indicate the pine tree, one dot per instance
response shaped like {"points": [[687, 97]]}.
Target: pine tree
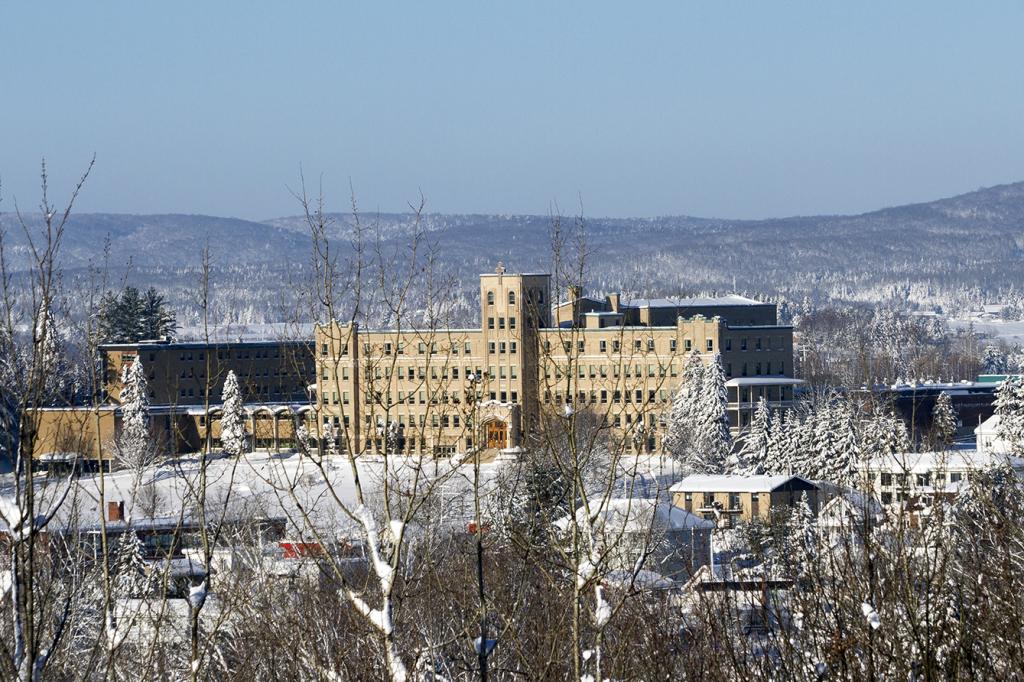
{"points": [[994, 361], [156, 320], [944, 421], [131, 579], [802, 536], [714, 440], [778, 455], [232, 421], [128, 317], [1009, 406], [681, 432], [134, 444], [753, 456]]}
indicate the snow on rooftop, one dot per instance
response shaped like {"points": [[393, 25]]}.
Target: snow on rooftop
{"points": [[639, 515], [765, 381], [924, 462], [694, 302], [728, 483]]}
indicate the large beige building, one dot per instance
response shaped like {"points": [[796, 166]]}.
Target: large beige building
{"points": [[441, 390], [423, 390]]}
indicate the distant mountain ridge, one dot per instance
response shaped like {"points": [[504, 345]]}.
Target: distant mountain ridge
{"points": [[965, 247]]}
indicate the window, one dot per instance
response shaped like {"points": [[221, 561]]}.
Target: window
{"points": [[650, 344], [728, 344], [501, 347], [490, 347], [757, 343], [709, 500], [511, 323], [323, 349], [710, 345], [490, 298], [581, 346], [687, 345], [734, 500], [955, 477], [512, 347], [743, 343], [490, 323], [615, 346], [604, 346], [672, 345], [636, 344], [511, 298], [886, 479], [886, 498]]}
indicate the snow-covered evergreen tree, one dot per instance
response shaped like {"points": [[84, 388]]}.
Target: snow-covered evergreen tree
{"points": [[994, 361], [753, 456], [944, 421], [680, 434], [778, 454], [714, 440], [131, 578], [135, 444], [1009, 406], [233, 438]]}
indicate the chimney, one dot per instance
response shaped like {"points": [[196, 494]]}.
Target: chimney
{"points": [[575, 292], [115, 511], [613, 302]]}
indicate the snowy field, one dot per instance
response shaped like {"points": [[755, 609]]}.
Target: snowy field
{"points": [[288, 485], [1010, 331]]}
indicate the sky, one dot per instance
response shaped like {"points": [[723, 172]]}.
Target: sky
{"points": [[726, 109]]}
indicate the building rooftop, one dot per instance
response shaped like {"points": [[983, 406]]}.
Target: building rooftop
{"points": [[734, 483], [923, 462], [696, 302], [639, 515]]}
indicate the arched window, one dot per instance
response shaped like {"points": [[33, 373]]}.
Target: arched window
{"points": [[490, 298], [511, 298]]}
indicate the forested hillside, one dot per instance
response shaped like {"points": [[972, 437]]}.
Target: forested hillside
{"points": [[950, 255]]}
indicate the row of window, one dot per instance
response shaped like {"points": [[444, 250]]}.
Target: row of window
{"points": [[639, 345], [923, 480], [595, 371], [191, 373], [532, 295], [602, 397], [389, 348]]}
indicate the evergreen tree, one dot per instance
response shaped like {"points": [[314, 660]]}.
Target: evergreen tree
{"points": [[1009, 406], [232, 422], [131, 578], [753, 456], [714, 440], [801, 536], [681, 432], [994, 361], [156, 320], [944, 421], [778, 455], [128, 317], [134, 444]]}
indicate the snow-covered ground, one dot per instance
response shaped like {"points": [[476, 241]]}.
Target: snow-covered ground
{"points": [[1011, 331]]}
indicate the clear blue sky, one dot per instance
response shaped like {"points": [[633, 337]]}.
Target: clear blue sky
{"points": [[706, 108]]}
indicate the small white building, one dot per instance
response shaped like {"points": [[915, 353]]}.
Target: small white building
{"points": [[987, 438], [912, 475]]}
